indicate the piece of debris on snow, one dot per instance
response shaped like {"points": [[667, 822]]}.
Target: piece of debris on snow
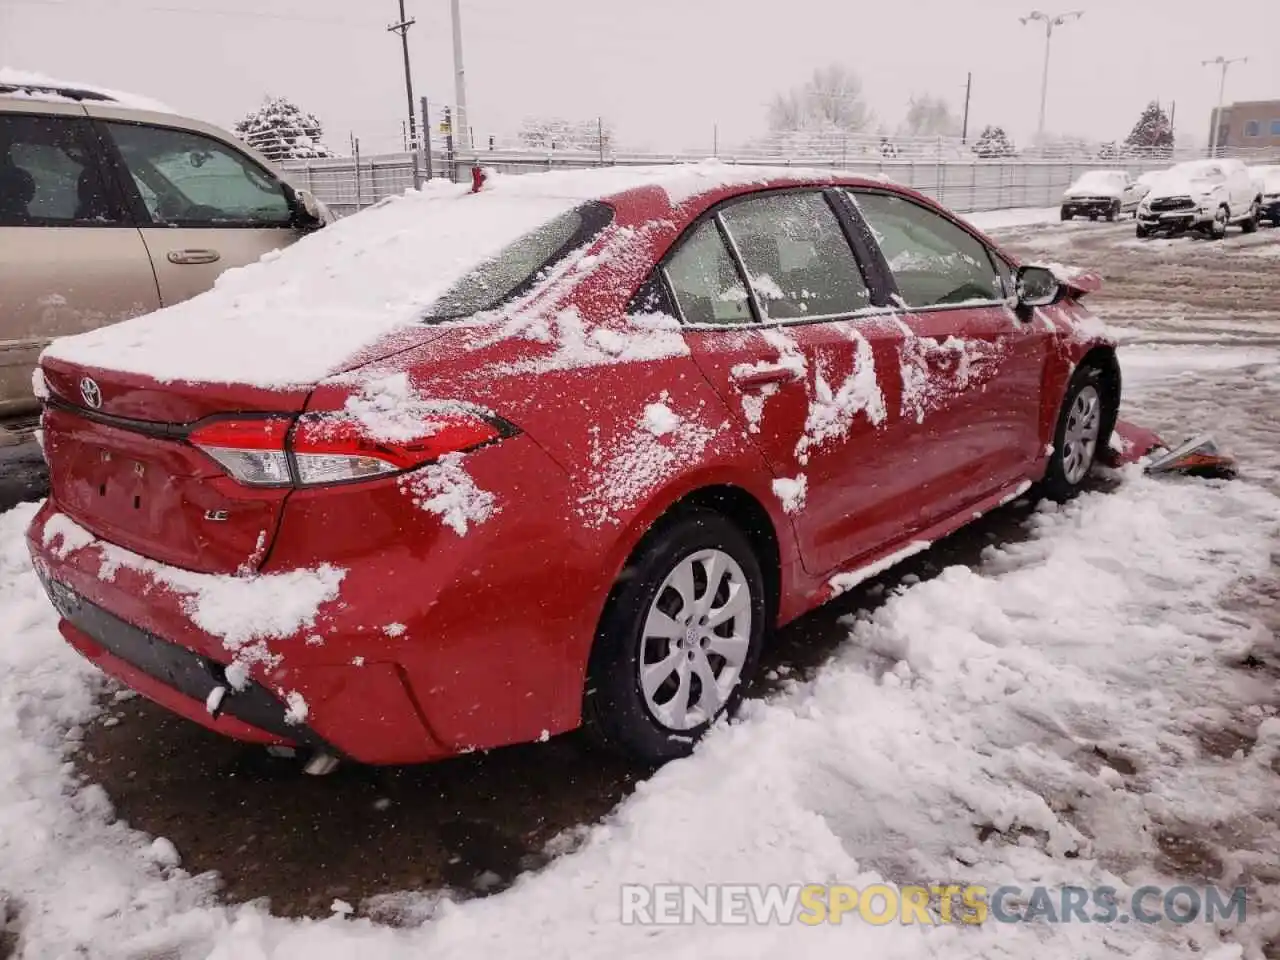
{"points": [[791, 491], [447, 490]]}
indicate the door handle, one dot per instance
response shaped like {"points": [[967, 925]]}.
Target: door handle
{"points": [[194, 256], [752, 378]]}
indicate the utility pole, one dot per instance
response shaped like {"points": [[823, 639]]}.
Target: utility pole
{"points": [[1050, 21], [462, 125], [402, 28], [968, 91], [1225, 64]]}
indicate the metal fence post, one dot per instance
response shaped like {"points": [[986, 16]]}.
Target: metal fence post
{"points": [[356, 155], [426, 137]]}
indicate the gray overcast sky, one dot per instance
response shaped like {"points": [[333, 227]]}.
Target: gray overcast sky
{"points": [[664, 71]]}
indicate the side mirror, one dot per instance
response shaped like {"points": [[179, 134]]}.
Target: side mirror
{"points": [[1037, 287], [309, 213]]}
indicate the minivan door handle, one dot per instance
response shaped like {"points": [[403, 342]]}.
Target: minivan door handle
{"points": [[194, 256]]}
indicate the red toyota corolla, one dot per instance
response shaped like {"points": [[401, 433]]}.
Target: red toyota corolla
{"points": [[474, 468]]}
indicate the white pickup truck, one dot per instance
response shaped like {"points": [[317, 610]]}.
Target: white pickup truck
{"points": [[1205, 195]]}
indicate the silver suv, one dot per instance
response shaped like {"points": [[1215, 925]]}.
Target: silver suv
{"points": [[108, 211]]}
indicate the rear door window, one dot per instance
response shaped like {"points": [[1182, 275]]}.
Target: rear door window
{"points": [[933, 261], [50, 175], [189, 180], [798, 260]]}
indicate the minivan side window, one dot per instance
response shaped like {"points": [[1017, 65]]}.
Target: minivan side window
{"points": [[934, 262], [189, 180], [49, 175], [798, 260]]}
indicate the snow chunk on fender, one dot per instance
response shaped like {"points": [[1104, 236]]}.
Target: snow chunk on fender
{"points": [[447, 490]]}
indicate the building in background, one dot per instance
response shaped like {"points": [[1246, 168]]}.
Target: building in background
{"points": [[1251, 123]]}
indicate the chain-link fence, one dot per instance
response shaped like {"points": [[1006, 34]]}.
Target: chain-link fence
{"points": [[960, 180]]}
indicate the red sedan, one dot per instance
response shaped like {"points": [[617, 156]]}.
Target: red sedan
{"points": [[475, 468]]}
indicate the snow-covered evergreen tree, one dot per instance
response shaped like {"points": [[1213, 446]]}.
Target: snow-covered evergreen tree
{"points": [[1153, 133], [994, 142], [281, 131]]}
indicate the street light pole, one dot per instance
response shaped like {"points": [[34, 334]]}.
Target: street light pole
{"points": [[1225, 64], [402, 28], [1050, 21], [459, 82]]}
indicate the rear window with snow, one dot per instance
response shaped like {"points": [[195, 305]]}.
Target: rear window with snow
{"points": [[522, 264]]}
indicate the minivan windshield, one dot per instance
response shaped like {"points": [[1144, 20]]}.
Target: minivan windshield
{"points": [[521, 264]]}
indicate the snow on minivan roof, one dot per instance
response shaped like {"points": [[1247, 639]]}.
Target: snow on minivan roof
{"points": [[37, 86], [297, 315]]}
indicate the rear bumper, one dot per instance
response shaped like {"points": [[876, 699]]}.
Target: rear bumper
{"points": [[129, 623]]}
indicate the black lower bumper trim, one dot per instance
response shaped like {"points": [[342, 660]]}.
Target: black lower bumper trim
{"points": [[175, 666]]}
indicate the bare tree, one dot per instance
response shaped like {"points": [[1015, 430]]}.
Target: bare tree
{"points": [[830, 100], [930, 116]]}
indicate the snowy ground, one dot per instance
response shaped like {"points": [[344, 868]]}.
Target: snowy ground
{"points": [[1078, 696]]}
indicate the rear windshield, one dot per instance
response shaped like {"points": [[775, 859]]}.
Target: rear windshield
{"points": [[522, 264]]}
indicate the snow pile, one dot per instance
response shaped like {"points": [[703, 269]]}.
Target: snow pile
{"points": [[1034, 722], [659, 419], [791, 491], [25, 78], [577, 344], [447, 490]]}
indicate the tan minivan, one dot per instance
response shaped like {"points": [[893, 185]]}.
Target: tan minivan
{"points": [[108, 211]]}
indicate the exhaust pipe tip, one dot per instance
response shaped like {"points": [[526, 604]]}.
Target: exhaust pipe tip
{"points": [[321, 764]]}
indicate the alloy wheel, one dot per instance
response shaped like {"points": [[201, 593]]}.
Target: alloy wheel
{"points": [[1081, 437], [695, 640]]}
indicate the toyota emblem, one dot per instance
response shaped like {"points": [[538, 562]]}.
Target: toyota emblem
{"points": [[92, 395]]}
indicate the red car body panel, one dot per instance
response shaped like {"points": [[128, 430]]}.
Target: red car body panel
{"points": [[440, 643]]}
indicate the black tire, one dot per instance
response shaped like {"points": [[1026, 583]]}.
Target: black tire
{"points": [[1250, 223], [1067, 215], [1057, 485], [1113, 212], [1093, 216], [615, 713], [1217, 228], [1144, 233]]}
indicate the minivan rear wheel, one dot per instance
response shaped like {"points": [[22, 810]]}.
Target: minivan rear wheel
{"points": [[679, 639]]}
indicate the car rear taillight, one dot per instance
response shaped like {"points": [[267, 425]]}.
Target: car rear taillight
{"points": [[336, 448], [252, 451], [323, 448]]}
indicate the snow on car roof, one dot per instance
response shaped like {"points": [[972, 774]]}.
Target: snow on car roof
{"points": [[37, 86], [296, 315]]}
